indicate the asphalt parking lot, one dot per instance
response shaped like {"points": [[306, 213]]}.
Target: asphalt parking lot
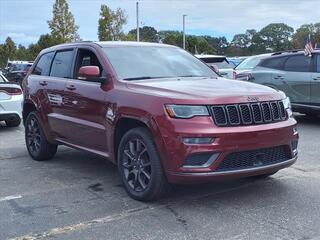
{"points": [[79, 196]]}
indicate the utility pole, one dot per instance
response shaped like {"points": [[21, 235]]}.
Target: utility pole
{"points": [[184, 30], [138, 32]]}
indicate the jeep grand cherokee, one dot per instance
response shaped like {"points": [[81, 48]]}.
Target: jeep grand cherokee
{"points": [[157, 112]]}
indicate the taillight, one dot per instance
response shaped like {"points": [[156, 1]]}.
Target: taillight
{"points": [[249, 77], [234, 75], [11, 91]]}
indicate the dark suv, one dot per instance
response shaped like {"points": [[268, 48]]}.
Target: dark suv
{"points": [[293, 73], [157, 112]]}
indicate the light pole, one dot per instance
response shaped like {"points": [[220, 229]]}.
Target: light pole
{"points": [[138, 30], [184, 30]]}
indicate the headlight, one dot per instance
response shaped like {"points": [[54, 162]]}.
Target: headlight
{"points": [[186, 111], [286, 103]]}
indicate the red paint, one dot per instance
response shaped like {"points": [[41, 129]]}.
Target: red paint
{"points": [[79, 118], [89, 71]]}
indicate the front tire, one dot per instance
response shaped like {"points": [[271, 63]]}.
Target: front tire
{"points": [[37, 144], [140, 166]]}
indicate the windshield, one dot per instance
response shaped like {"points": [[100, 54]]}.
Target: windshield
{"points": [[249, 63], [147, 62]]}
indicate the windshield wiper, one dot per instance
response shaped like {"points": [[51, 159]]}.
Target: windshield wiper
{"points": [[192, 76], [137, 78], [145, 77]]}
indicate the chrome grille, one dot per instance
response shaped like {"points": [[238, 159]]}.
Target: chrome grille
{"points": [[248, 114]]}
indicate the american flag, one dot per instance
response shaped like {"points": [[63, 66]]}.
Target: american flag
{"points": [[308, 47]]}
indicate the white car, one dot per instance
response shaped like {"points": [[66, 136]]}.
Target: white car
{"points": [[219, 63], [11, 99]]}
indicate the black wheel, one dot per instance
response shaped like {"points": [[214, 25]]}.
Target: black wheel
{"points": [[38, 146], [140, 166], [13, 122], [263, 176]]}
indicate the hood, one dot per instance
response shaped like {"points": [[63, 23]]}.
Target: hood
{"points": [[206, 90]]}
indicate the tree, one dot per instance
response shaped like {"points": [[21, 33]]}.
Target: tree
{"points": [[220, 44], [299, 37], [276, 36], [111, 24], [62, 25], [147, 34], [9, 48], [45, 41]]}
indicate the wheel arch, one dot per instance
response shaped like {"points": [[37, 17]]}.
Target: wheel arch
{"points": [[28, 107], [125, 123]]}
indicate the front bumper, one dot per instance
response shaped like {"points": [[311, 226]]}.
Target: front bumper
{"points": [[227, 140]]}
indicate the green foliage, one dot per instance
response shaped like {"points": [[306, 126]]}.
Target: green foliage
{"points": [[147, 34], [299, 38], [273, 37], [62, 25], [276, 37], [111, 23]]}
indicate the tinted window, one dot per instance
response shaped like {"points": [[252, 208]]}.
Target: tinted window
{"points": [[298, 63], [88, 58], [318, 63], [134, 63], [43, 65], [275, 63], [61, 66]]}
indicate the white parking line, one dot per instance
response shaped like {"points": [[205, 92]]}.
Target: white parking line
{"points": [[7, 198]]}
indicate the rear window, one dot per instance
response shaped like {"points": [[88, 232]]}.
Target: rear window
{"points": [[43, 65], [274, 63], [62, 63], [298, 63], [220, 62]]}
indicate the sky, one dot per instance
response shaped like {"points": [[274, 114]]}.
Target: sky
{"points": [[26, 20]]}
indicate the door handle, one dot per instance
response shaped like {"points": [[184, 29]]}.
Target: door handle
{"points": [[279, 77], [316, 78], [71, 87], [43, 83]]}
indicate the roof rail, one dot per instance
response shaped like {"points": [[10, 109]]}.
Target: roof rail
{"points": [[287, 51]]}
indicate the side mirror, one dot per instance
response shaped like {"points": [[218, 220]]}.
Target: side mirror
{"points": [[90, 73]]}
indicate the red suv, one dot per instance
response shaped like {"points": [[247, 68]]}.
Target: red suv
{"points": [[157, 112]]}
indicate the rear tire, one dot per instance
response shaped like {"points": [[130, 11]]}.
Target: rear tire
{"points": [[37, 144], [140, 166], [13, 123]]}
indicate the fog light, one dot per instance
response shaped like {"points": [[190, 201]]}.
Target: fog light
{"points": [[294, 146], [194, 140], [295, 130], [200, 160]]}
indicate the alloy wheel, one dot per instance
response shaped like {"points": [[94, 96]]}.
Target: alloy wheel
{"points": [[33, 136], [136, 165]]}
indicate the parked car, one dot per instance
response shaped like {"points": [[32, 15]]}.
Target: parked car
{"points": [[220, 64], [295, 74], [11, 98], [17, 70], [156, 111], [244, 69]]}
